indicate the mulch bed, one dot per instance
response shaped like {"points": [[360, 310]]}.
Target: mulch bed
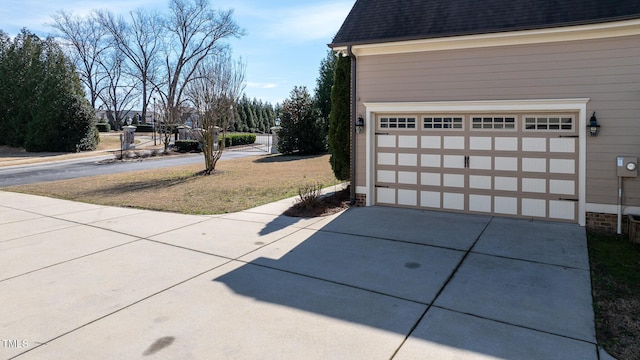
{"points": [[327, 205]]}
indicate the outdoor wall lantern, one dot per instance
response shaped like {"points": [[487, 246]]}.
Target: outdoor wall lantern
{"points": [[593, 126], [359, 124]]}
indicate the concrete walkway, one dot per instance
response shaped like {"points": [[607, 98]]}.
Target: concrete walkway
{"points": [[81, 281]]}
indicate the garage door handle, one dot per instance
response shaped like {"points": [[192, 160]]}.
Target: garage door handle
{"points": [[466, 162], [566, 199]]}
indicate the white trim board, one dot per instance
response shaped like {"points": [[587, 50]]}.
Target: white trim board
{"points": [[538, 36], [612, 209], [573, 105]]}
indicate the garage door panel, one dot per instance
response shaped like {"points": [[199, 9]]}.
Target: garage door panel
{"points": [[480, 143], [506, 143], [408, 141], [480, 162], [386, 196], [506, 183], [534, 144], [408, 177], [431, 142], [562, 166], [430, 160], [507, 205], [534, 207], [453, 180], [480, 203], [407, 197], [480, 182], [562, 145], [408, 159], [559, 209], [538, 165], [503, 163], [454, 142], [534, 185], [562, 187], [430, 179], [430, 199], [386, 158], [453, 201], [453, 161], [386, 176], [387, 141]]}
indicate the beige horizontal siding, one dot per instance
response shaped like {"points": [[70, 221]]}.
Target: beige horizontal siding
{"points": [[606, 71]]}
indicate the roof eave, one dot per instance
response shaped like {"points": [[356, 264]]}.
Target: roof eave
{"points": [[484, 32]]}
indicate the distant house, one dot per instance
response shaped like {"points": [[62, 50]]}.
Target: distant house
{"points": [[482, 107], [106, 115]]}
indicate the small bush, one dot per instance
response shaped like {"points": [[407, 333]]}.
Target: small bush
{"points": [[187, 145], [238, 139], [309, 195], [144, 128], [103, 127]]}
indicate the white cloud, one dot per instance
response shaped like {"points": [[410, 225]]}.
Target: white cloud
{"points": [[308, 22], [35, 15], [259, 85], [290, 20]]}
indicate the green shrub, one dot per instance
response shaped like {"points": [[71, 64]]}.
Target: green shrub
{"points": [[187, 145], [238, 139], [144, 128], [103, 127]]}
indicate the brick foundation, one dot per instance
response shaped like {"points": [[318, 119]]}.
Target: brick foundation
{"points": [[361, 200], [605, 222]]}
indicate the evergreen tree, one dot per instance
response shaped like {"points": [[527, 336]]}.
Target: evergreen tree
{"points": [[301, 131], [339, 124], [43, 105], [324, 83]]}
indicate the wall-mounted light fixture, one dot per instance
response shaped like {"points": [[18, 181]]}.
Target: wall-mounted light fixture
{"points": [[593, 126], [359, 124]]}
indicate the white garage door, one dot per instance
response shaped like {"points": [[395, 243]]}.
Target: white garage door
{"points": [[521, 165]]}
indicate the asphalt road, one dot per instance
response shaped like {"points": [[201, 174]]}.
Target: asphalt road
{"points": [[71, 169]]}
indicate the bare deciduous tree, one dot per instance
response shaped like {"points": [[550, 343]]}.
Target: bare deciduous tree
{"points": [[216, 87], [139, 40], [194, 32], [120, 94], [87, 39]]}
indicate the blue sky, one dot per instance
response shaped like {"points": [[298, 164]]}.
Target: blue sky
{"points": [[285, 41]]}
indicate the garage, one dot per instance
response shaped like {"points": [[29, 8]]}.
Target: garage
{"points": [[483, 107], [515, 164]]}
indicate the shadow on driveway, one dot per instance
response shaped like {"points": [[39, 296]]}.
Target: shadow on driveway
{"points": [[420, 274]]}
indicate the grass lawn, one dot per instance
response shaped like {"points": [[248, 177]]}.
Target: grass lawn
{"points": [[239, 184], [615, 277]]}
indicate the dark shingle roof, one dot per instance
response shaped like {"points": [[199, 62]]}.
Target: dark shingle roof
{"points": [[374, 21]]}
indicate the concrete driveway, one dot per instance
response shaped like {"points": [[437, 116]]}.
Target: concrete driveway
{"points": [[80, 281]]}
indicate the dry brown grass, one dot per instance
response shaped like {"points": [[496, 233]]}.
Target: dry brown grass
{"points": [[239, 184], [108, 141]]}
